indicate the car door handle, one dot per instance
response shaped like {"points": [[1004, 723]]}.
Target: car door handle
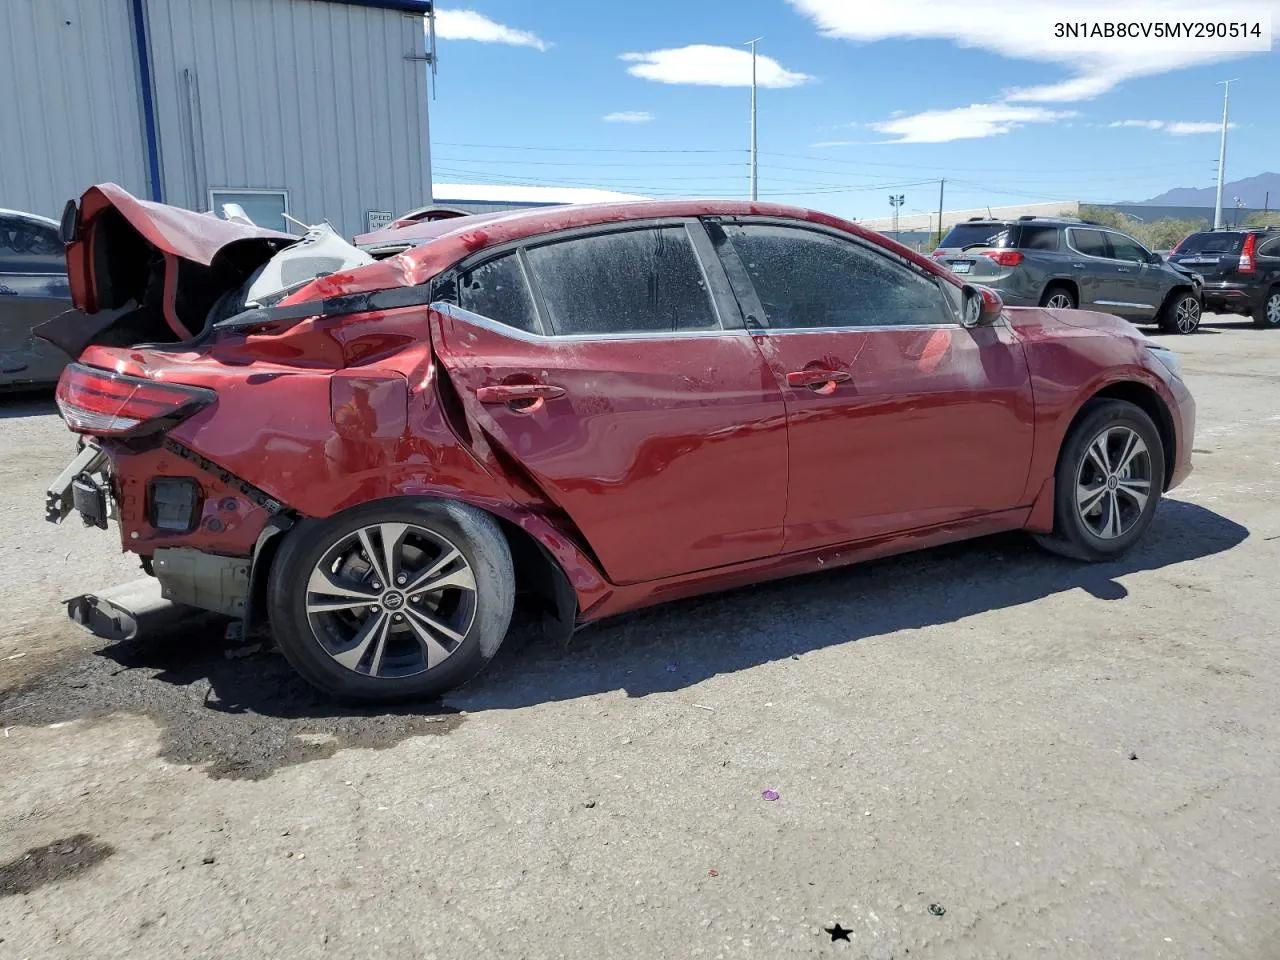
{"points": [[1123, 270], [819, 381], [521, 397], [1078, 266]]}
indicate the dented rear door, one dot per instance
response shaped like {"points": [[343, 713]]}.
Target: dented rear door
{"points": [[603, 368]]}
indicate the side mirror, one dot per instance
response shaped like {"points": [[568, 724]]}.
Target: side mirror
{"points": [[982, 306], [67, 228], [1156, 258]]}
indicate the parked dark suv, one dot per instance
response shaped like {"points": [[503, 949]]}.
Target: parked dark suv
{"points": [[1241, 270], [1066, 263]]}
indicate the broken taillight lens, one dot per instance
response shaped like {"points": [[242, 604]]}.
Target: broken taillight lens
{"points": [[103, 403]]}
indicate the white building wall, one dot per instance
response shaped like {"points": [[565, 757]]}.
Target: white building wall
{"points": [[325, 100], [70, 115]]}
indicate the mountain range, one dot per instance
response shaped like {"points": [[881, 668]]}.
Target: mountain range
{"points": [[1252, 190]]}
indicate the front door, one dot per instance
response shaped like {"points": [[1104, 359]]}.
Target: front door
{"points": [[606, 369], [899, 417], [1139, 286]]}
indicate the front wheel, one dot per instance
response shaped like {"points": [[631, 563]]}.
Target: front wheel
{"points": [[1108, 482], [1267, 316], [392, 600], [1181, 314]]}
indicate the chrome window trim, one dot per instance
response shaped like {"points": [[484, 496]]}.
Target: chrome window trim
{"points": [[456, 312]]}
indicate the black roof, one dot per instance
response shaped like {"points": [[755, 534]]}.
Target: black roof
{"points": [[407, 6]]}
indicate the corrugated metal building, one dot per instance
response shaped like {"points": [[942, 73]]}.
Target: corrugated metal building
{"points": [[315, 108]]}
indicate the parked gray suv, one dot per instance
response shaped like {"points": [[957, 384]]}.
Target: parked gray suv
{"points": [[1066, 264]]}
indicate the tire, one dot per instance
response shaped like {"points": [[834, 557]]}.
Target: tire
{"points": [[1180, 313], [1058, 296], [403, 644], [1088, 534], [1267, 314]]}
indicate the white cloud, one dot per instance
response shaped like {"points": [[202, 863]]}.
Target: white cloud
{"points": [[973, 122], [469, 25], [713, 66], [1027, 33], [1179, 128], [628, 116]]}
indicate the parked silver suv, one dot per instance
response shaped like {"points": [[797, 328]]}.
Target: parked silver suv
{"points": [[1066, 264]]}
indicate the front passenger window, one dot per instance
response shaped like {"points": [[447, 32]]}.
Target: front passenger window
{"points": [[807, 279], [1122, 248]]}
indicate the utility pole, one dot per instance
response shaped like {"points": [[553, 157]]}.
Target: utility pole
{"points": [[942, 186], [752, 45], [1222, 154], [896, 200]]}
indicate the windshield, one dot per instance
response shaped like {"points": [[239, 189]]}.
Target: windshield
{"points": [[988, 234], [1224, 243]]}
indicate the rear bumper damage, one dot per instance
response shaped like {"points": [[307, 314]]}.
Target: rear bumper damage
{"points": [[128, 612]]}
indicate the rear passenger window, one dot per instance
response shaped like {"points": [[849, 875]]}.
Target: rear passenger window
{"points": [[1270, 249], [497, 290], [635, 281], [1092, 243], [1038, 238]]}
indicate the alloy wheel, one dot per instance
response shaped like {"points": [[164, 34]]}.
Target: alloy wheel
{"points": [[1273, 310], [1059, 301], [1113, 482], [391, 600], [1187, 314]]}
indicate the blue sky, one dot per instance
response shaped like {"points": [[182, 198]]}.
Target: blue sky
{"points": [[863, 99]]}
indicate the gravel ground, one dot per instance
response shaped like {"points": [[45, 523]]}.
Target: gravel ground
{"points": [[978, 752]]}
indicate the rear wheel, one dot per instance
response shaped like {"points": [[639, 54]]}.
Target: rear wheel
{"points": [[392, 600], [1267, 315], [1108, 482], [1058, 297], [1180, 313]]}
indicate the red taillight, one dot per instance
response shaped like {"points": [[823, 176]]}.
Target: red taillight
{"points": [[110, 404], [1246, 255], [1179, 244], [1006, 258], [938, 253]]}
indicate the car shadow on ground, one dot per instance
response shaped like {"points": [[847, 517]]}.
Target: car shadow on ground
{"points": [[241, 712], [18, 403], [675, 646]]}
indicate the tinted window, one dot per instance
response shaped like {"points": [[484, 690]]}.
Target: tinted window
{"points": [[28, 240], [1122, 248], [990, 234], [1270, 249], [638, 281], [1223, 243], [498, 290], [1039, 238], [808, 279], [1091, 242]]}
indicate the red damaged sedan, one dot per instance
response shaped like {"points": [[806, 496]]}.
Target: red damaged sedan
{"points": [[602, 407]]}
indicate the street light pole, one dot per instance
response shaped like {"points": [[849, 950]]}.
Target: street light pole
{"points": [[1222, 154], [896, 200], [752, 45]]}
